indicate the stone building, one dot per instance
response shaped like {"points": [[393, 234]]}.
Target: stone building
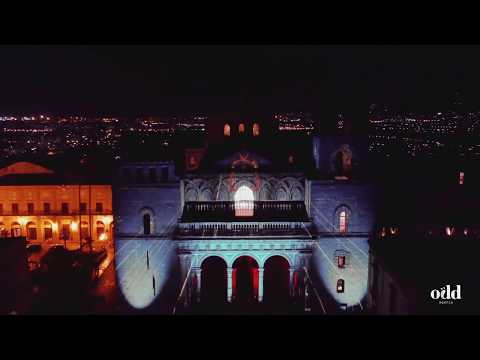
{"points": [[252, 217], [48, 207]]}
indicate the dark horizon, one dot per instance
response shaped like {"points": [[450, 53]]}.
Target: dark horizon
{"points": [[185, 79]]}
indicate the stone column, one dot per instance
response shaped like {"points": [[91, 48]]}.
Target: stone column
{"points": [[292, 290], [229, 284], [198, 272], [260, 284]]}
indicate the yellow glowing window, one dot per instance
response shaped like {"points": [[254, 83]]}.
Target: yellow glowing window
{"points": [[343, 222], [241, 128], [226, 130], [256, 129]]}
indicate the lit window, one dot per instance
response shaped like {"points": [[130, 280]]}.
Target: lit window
{"points": [[3, 230], [383, 232], [343, 222], [31, 231], [84, 230], [256, 129], [341, 261], [16, 230], [462, 178], [226, 130], [241, 128], [66, 232], [244, 201], [449, 230], [47, 231], [340, 286], [100, 230], [290, 159]]}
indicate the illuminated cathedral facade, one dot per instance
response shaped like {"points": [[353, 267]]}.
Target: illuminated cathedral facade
{"points": [[251, 218]]}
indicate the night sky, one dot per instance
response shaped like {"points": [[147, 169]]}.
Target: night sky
{"points": [[163, 80]]}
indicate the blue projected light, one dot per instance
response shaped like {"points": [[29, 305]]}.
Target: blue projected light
{"points": [[354, 275], [139, 282]]}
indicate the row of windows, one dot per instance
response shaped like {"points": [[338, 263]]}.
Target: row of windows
{"points": [[241, 129], [15, 209], [449, 231], [65, 230], [141, 176]]}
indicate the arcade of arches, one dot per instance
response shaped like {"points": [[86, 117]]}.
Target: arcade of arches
{"points": [[244, 282]]}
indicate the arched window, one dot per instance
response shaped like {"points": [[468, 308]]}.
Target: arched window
{"points": [[256, 129], [31, 231], [146, 224], [241, 129], [226, 130], [84, 230], [342, 223], [101, 231], [340, 286], [244, 201], [65, 231], [3, 230], [47, 230], [449, 230], [16, 229]]}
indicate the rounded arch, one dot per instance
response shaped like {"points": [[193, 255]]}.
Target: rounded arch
{"points": [[206, 195], [342, 218], [16, 229], [342, 160], [276, 280], [296, 194], [244, 254], [244, 198], [84, 230], [3, 230], [48, 227], [213, 280], [191, 195], [245, 279], [31, 227], [147, 218], [226, 129], [241, 128], [100, 230], [256, 129], [283, 256], [208, 256], [265, 192]]}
